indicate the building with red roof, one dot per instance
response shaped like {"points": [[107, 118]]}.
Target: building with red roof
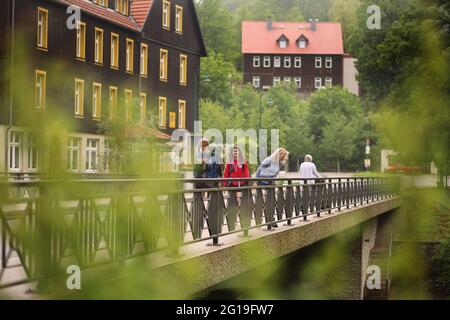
{"points": [[307, 54]]}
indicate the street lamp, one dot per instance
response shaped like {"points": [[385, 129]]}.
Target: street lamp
{"points": [[196, 91], [269, 103]]}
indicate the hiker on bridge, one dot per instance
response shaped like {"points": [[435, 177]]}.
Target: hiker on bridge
{"points": [[308, 169], [209, 164], [271, 166], [236, 167]]}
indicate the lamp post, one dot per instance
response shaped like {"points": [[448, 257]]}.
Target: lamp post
{"points": [[196, 92], [197, 102], [269, 103]]}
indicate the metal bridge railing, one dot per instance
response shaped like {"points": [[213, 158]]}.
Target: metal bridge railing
{"points": [[47, 225]]}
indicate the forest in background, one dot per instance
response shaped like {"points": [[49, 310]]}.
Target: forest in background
{"points": [[403, 72]]}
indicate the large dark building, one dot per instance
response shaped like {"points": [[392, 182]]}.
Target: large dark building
{"points": [[309, 54], [122, 58]]}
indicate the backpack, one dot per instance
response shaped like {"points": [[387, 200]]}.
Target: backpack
{"points": [[231, 171]]}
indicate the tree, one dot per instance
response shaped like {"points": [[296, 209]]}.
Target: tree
{"points": [[380, 60], [222, 75], [345, 12], [335, 120], [218, 29], [295, 15], [213, 115], [404, 69], [340, 138]]}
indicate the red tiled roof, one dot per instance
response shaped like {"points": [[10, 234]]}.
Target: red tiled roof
{"points": [[327, 39], [142, 132], [140, 10], [105, 13]]}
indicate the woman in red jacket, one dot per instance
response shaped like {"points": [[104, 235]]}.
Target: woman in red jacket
{"points": [[236, 167]]}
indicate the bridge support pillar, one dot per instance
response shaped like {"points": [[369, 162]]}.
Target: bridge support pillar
{"points": [[348, 271]]}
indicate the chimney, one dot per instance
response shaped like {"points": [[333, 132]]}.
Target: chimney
{"points": [[313, 24], [269, 23]]}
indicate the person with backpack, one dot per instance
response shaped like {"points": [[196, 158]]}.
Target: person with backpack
{"points": [[202, 155], [208, 164], [214, 167], [236, 167]]}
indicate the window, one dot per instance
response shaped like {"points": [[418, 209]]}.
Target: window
{"points": [[73, 153], [91, 154], [40, 89], [256, 61], [277, 62], [328, 82], [318, 62], [15, 150], [103, 3], [256, 82], [32, 151], [298, 62], [287, 62], [283, 44], [276, 81], [179, 19], [144, 59], [79, 97], [302, 44], [317, 83], [266, 62], [42, 28], [328, 62], [96, 100], [181, 114], [162, 104], [81, 40], [112, 102], [287, 80], [172, 120], [98, 47], [130, 56], [107, 155], [166, 14], [183, 69], [163, 55], [114, 50], [128, 104], [143, 105], [298, 82], [122, 6]]}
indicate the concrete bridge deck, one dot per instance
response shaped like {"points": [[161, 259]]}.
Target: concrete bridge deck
{"points": [[200, 266]]}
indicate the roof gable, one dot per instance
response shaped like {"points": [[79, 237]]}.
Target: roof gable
{"points": [[140, 10]]}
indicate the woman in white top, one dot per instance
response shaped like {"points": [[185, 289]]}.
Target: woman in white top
{"points": [[308, 169]]}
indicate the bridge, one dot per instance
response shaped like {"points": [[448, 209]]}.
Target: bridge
{"points": [[188, 238]]}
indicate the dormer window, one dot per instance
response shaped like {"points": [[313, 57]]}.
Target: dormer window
{"points": [[103, 3], [122, 6], [302, 42], [283, 42]]}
